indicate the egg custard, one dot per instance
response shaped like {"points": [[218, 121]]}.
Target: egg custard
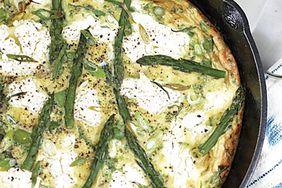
{"points": [[112, 93]]}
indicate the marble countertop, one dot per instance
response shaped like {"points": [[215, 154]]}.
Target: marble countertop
{"points": [[265, 17]]}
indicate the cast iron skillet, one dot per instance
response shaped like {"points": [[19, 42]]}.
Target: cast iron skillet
{"points": [[231, 21]]}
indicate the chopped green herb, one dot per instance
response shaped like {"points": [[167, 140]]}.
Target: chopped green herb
{"points": [[60, 98], [21, 58], [204, 26], [22, 137], [78, 161], [7, 141], [94, 70], [90, 8], [159, 11], [6, 164], [3, 15], [162, 88], [43, 14], [188, 30], [16, 95], [141, 123], [208, 44]]}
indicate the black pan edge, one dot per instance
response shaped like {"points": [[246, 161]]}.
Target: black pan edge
{"points": [[263, 117], [232, 23]]}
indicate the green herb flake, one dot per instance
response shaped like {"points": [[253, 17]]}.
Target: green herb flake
{"points": [[43, 14], [208, 44], [3, 15], [78, 161], [204, 26], [7, 141], [188, 30], [159, 11], [22, 137], [60, 98], [94, 70], [6, 164], [21, 58]]}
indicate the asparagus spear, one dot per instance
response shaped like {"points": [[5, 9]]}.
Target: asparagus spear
{"points": [[143, 160], [75, 76], [37, 134], [181, 65], [101, 152], [56, 29], [225, 122], [118, 61], [116, 82]]}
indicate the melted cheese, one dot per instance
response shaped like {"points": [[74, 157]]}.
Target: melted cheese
{"points": [[148, 95]]}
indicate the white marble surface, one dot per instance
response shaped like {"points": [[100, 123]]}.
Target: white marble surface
{"points": [[265, 17]]}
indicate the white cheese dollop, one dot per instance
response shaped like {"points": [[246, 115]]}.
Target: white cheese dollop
{"points": [[4, 32], [180, 163], [32, 99], [219, 99], [162, 39], [60, 156], [148, 95], [194, 122], [103, 32], [87, 106], [33, 39], [128, 177], [15, 178]]}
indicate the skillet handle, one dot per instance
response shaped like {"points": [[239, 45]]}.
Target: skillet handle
{"points": [[234, 16]]}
